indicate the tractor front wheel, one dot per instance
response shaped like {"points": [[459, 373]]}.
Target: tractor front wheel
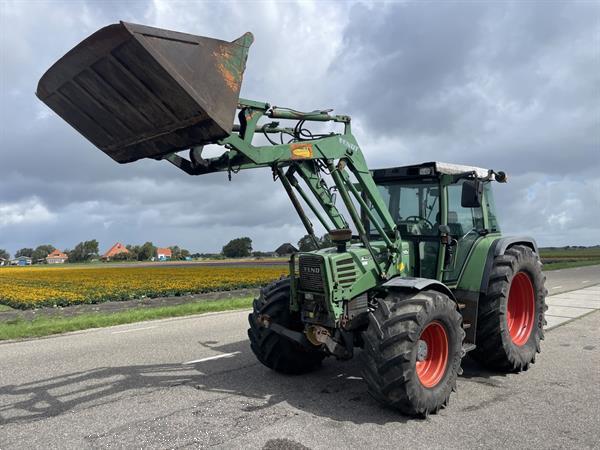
{"points": [[412, 351], [271, 349], [510, 322]]}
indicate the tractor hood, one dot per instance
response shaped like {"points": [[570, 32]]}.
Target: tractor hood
{"points": [[342, 275]]}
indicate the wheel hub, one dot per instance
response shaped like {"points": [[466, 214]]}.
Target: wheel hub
{"points": [[432, 354], [421, 350], [520, 309]]}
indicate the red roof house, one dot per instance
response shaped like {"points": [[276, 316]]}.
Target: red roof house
{"points": [[114, 250], [56, 257], [163, 254]]}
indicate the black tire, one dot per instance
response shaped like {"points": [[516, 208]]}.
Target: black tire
{"points": [[271, 349], [496, 347], [390, 350]]}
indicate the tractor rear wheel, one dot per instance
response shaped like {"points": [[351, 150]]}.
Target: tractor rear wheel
{"points": [[412, 351], [271, 349], [510, 322]]}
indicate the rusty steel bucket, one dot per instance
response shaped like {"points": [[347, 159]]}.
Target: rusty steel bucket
{"points": [[141, 92]]}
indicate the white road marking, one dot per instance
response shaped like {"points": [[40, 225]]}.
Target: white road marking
{"points": [[556, 287], [585, 281], [210, 358], [133, 329]]}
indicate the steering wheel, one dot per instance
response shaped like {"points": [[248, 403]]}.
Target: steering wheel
{"points": [[417, 220]]}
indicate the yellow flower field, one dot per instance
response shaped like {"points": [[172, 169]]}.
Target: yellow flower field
{"points": [[31, 287]]}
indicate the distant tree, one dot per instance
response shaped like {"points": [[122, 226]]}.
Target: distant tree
{"points": [[122, 256], [134, 251], [179, 253], [4, 254], [41, 251], [306, 243], [84, 251], [325, 241], [207, 255], [237, 248], [175, 252], [147, 251], [24, 252]]}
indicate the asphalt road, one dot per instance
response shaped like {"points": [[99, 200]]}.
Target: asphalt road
{"points": [[558, 281], [193, 382]]}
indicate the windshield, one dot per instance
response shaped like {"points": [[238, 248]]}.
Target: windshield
{"points": [[414, 206]]}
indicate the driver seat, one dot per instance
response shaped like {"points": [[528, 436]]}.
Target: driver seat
{"points": [[456, 229]]}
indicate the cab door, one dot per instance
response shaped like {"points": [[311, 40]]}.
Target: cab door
{"points": [[465, 225]]}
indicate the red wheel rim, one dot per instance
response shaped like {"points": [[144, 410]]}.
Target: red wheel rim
{"points": [[520, 309], [431, 370]]}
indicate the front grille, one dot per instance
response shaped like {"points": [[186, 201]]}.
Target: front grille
{"points": [[346, 272], [311, 273]]}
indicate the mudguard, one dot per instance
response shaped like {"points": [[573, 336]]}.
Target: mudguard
{"points": [[498, 248], [504, 243]]}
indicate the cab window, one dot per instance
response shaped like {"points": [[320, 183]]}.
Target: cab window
{"points": [[491, 208], [461, 220], [414, 207]]}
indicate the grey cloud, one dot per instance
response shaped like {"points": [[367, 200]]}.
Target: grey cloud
{"points": [[481, 80], [511, 86]]}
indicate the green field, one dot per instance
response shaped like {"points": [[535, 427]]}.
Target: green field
{"points": [[563, 258]]}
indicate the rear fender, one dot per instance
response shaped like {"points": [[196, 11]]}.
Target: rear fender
{"points": [[498, 248], [502, 244]]}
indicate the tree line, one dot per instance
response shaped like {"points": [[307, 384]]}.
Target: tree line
{"points": [[242, 247], [83, 251], [89, 250]]}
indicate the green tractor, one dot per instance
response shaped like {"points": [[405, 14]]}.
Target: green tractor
{"points": [[419, 273]]}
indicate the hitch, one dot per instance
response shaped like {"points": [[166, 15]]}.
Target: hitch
{"points": [[314, 336], [264, 320]]}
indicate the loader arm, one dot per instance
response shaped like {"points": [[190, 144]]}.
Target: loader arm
{"points": [[141, 92], [337, 155]]}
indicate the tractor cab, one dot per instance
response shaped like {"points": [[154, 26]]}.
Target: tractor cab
{"points": [[441, 210]]}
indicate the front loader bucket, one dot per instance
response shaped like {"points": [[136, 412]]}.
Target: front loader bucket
{"points": [[141, 92]]}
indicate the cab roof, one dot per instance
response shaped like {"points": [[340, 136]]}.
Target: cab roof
{"points": [[428, 169]]}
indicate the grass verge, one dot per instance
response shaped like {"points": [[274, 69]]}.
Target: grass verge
{"points": [[45, 326], [5, 308], [570, 264]]}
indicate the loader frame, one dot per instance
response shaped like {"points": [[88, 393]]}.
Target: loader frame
{"points": [[307, 159]]}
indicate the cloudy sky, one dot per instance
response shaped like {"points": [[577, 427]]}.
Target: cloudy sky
{"points": [[511, 86]]}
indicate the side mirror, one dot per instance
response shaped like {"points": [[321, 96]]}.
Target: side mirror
{"points": [[501, 177], [472, 191]]}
